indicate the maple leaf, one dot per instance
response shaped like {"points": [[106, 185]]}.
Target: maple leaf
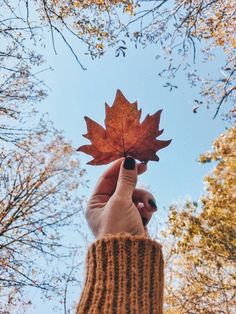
{"points": [[124, 134]]}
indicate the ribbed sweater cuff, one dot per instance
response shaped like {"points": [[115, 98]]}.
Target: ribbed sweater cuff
{"points": [[124, 275]]}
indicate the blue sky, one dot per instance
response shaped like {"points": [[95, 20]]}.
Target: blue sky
{"points": [[75, 93]]}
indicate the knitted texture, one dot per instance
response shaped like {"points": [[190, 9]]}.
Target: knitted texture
{"points": [[124, 275]]}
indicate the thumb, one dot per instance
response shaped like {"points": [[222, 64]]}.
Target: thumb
{"points": [[127, 178]]}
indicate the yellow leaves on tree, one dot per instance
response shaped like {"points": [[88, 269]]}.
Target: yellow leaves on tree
{"points": [[93, 20], [203, 259], [216, 21], [38, 198]]}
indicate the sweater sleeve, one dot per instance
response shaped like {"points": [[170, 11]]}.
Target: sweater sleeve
{"points": [[124, 275]]}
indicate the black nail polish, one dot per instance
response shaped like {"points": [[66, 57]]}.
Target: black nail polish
{"points": [[144, 220], [153, 204], [129, 163]]}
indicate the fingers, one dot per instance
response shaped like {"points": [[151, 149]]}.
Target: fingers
{"points": [[107, 182], [142, 167], [127, 178], [145, 204], [146, 198]]}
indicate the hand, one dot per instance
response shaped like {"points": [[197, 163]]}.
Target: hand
{"points": [[116, 205]]}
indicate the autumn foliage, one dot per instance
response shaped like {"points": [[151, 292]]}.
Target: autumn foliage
{"points": [[201, 270], [175, 27], [39, 179], [124, 134]]}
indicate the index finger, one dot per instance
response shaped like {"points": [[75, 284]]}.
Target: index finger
{"points": [[107, 182]]}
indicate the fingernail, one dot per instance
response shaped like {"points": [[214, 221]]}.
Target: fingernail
{"points": [[140, 205], [144, 220], [153, 204], [129, 163]]}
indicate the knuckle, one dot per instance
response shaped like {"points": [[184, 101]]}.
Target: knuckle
{"points": [[118, 201], [128, 180]]}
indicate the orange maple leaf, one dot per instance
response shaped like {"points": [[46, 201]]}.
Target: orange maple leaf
{"points": [[124, 134]]}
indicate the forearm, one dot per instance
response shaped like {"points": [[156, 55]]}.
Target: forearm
{"points": [[124, 275]]}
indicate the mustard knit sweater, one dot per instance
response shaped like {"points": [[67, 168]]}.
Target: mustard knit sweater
{"points": [[124, 275]]}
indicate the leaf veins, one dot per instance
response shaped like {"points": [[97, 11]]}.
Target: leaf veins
{"points": [[124, 134]]}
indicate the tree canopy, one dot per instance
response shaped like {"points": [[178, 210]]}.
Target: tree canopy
{"points": [[40, 176], [202, 277], [185, 31]]}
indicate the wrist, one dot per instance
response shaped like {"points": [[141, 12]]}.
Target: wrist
{"points": [[124, 272]]}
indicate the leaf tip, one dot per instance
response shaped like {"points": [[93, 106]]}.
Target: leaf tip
{"points": [[85, 135], [166, 143], [119, 95], [91, 162]]}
